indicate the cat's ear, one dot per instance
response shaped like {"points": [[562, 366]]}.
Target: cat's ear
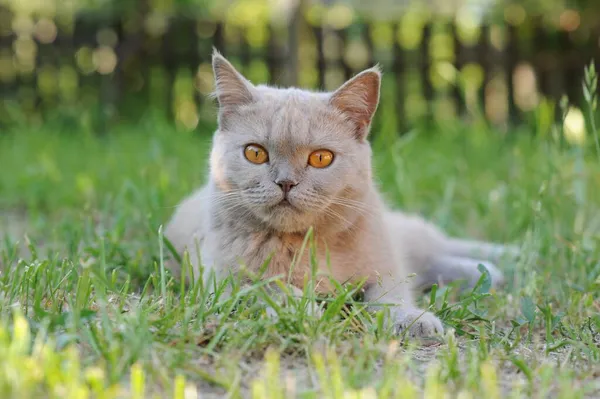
{"points": [[358, 99], [231, 88]]}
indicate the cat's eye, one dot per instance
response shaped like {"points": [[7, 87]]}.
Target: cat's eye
{"points": [[320, 158], [256, 154]]}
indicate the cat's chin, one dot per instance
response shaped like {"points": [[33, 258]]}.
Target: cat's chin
{"points": [[286, 218]]}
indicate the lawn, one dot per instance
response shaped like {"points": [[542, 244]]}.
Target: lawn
{"points": [[88, 310]]}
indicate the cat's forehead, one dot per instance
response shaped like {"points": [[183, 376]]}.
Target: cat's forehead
{"points": [[291, 106], [293, 117]]}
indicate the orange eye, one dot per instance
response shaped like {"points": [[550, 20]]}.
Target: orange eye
{"points": [[256, 154], [320, 159]]}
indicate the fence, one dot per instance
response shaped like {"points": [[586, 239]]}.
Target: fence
{"points": [[436, 68]]}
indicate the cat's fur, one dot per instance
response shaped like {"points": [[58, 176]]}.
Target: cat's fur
{"points": [[237, 217]]}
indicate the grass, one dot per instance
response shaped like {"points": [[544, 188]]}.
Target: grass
{"points": [[87, 310]]}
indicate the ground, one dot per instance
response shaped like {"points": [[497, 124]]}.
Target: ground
{"points": [[86, 306]]}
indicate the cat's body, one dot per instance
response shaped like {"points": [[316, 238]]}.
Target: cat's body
{"points": [[286, 160]]}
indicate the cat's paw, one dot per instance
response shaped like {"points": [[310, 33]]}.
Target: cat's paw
{"points": [[416, 323]]}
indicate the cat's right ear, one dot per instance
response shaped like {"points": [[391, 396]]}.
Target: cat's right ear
{"points": [[231, 88], [358, 99]]}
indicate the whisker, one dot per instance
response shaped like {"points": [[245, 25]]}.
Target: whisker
{"points": [[210, 197], [362, 211]]}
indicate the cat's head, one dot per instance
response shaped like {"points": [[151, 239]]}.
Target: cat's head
{"points": [[290, 157]]}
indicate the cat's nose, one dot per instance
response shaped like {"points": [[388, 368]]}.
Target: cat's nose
{"points": [[286, 185]]}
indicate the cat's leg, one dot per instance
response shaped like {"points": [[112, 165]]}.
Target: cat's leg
{"points": [[459, 259], [444, 269], [404, 314], [480, 249], [435, 256]]}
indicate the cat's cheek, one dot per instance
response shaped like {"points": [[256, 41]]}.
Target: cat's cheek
{"points": [[246, 175], [329, 182]]}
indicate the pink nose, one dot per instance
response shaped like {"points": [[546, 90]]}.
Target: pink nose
{"points": [[286, 186]]}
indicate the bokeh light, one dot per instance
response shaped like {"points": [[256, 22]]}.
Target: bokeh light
{"points": [[45, 31], [104, 60], [574, 126]]}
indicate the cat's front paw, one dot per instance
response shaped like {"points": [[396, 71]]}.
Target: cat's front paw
{"points": [[417, 323]]}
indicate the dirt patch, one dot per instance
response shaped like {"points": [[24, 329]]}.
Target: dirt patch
{"points": [[299, 376]]}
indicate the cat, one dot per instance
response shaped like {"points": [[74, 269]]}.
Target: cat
{"points": [[284, 160]]}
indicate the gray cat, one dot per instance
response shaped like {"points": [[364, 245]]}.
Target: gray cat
{"points": [[284, 160]]}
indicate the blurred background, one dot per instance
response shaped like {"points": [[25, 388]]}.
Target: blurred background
{"points": [[102, 62]]}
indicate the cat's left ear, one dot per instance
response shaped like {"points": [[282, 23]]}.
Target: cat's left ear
{"points": [[358, 99]]}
